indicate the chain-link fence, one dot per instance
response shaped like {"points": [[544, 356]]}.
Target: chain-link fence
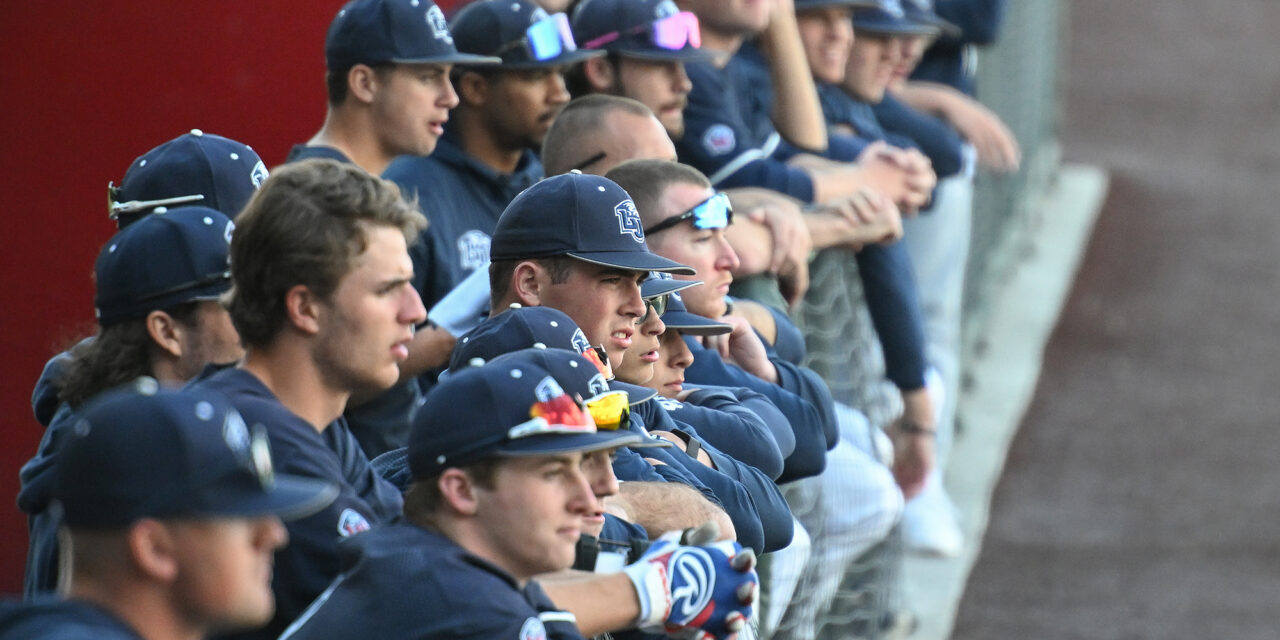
{"points": [[1018, 78]]}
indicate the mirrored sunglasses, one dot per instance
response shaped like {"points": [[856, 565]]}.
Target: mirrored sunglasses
{"points": [[554, 412], [544, 39], [610, 410], [713, 213], [657, 304], [672, 33]]}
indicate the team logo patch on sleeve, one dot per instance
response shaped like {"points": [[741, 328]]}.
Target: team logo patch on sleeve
{"points": [[533, 629], [351, 522], [719, 139], [629, 220], [473, 250]]}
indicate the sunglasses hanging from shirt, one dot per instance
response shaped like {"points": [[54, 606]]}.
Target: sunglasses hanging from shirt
{"points": [[545, 39], [713, 213], [672, 33]]}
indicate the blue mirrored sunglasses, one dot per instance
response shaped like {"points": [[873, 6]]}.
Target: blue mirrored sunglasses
{"points": [[545, 39], [713, 213]]}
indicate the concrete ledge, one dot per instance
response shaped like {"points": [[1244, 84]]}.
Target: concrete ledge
{"points": [[1003, 379]]}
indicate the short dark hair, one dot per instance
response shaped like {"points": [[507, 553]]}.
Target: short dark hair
{"points": [[335, 80], [646, 180], [306, 225], [423, 499], [118, 354], [579, 121], [500, 272]]}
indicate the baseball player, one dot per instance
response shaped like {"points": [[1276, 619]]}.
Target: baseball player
{"points": [[487, 155], [321, 317], [500, 496], [172, 512], [157, 284]]}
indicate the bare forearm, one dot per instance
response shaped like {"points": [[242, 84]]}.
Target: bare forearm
{"points": [[430, 349], [600, 603], [797, 113], [660, 507]]}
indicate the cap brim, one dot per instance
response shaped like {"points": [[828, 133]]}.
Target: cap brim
{"points": [[687, 54], [822, 4], [567, 443], [635, 393], [694, 324], [654, 287], [895, 28], [564, 59], [633, 260], [452, 58], [290, 498]]}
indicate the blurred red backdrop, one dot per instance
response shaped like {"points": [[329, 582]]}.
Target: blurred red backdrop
{"points": [[88, 87]]}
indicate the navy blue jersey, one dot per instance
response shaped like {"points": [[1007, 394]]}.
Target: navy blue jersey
{"points": [[806, 420], [724, 421], [462, 198], [932, 136], [723, 144], [310, 561], [52, 618], [402, 581], [950, 60], [35, 498], [302, 152], [748, 496]]}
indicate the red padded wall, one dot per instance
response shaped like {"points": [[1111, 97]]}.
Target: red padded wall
{"points": [[85, 88]]}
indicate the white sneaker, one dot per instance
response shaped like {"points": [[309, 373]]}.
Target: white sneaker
{"points": [[929, 526]]}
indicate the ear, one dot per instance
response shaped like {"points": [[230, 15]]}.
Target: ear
{"points": [[600, 74], [153, 550], [528, 282], [165, 332], [458, 491], [472, 88], [362, 83], [303, 309]]}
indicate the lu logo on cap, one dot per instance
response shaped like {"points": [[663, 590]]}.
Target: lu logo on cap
{"points": [[439, 26], [629, 220]]}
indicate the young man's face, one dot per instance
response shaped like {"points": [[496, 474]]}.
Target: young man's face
{"points": [[224, 577], [673, 358], [827, 35], [911, 50], [522, 105], [367, 323], [661, 85], [530, 520], [706, 250], [411, 106], [604, 302], [212, 339], [871, 64], [598, 467], [637, 365]]}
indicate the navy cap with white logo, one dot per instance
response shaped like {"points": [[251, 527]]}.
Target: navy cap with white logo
{"points": [[519, 32], [527, 327], [400, 31], [510, 409], [142, 452], [648, 29], [195, 168], [888, 17], [677, 316], [586, 217], [921, 11], [164, 259]]}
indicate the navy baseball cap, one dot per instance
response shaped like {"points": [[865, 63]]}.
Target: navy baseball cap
{"points": [[802, 5], [164, 259], [677, 316], [587, 217], [888, 17], [195, 168], [519, 32], [660, 284], [648, 29], [510, 409], [400, 31], [142, 452], [921, 11], [522, 328]]}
